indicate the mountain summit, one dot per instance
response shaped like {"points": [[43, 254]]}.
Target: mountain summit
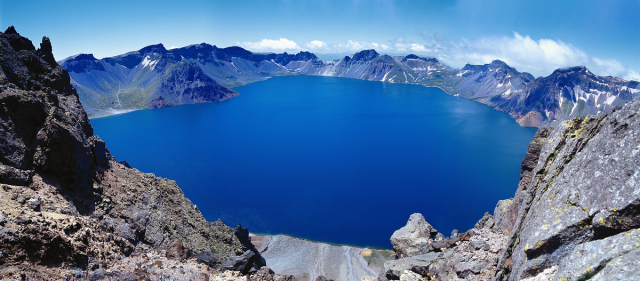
{"points": [[134, 80]]}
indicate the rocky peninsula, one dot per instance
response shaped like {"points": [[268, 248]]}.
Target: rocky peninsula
{"points": [[69, 210]]}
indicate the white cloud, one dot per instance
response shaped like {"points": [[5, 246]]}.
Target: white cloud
{"points": [[419, 48], [316, 45], [272, 45], [521, 52], [355, 46], [400, 47], [539, 57], [609, 66], [632, 75]]}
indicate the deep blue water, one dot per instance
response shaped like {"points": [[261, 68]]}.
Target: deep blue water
{"points": [[330, 159]]}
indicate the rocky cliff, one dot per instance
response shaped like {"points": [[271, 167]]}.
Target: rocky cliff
{"points": [[67, 208], [575, 214], [151, 77]]}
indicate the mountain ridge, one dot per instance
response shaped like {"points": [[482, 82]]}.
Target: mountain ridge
{"points": [[530, 101]]}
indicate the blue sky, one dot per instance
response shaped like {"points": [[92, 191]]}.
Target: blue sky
{"points": [[534, 36]]}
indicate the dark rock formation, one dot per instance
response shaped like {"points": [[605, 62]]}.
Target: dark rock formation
{"points": [[242, 263], [242, 233], [65, 202], [207, 257]]}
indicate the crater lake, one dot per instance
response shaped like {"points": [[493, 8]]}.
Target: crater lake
{"points": [[329, 159]]}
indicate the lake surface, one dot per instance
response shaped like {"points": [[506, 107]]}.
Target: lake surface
{"points": [[330, 159]]}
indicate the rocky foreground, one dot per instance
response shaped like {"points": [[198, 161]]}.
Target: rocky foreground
{"points": [[575, 214], [68, 210]]}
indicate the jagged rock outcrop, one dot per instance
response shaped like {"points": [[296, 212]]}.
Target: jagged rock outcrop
{"points": [[472, 255], [585, 192], [565, 94], [65, 202], [414, 238], [575, 215]]}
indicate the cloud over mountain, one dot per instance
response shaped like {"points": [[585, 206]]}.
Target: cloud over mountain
{"points": [[539, 57], [271, 45]]}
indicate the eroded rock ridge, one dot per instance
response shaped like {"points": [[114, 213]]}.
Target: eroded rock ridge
{"points": [[575, 214], [68, 209]]}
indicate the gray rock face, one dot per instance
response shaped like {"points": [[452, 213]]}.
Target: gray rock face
{"points": [[621, 268], [414, 238], [588, 259], [575, 212], [586, 188], [392, 270]]}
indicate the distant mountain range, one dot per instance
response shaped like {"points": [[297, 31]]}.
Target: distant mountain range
{"points": [[155, 77]]}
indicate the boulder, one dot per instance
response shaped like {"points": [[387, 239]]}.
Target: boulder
{"points": [[14, 176], [411, 276], [440, 244], [266, 274], [207, 257], [477, 245], [177, 251], [486, 221], [414, 238], [34, 203], [504, 218], [422, 270], [392, 270], [465, 269], [242, 263]]}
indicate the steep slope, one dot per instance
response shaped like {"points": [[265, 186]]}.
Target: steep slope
{"points": [[65, 203], [565, 94], [149, 78], [545, 101], [575, 214]]}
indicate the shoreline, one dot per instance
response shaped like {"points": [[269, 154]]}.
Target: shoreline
{"points": [[110, 112], [253, 234]]}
